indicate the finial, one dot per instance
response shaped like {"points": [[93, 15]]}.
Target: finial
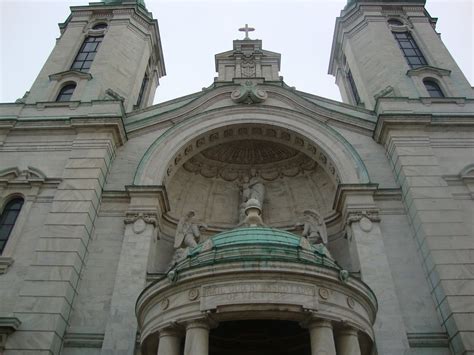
{"points": [[246, 29]]}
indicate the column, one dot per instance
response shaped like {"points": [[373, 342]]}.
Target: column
{"points": [[322, 339], [347, 342], [170, 340], [197, 338]]}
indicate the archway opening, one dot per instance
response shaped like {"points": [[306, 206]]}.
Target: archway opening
{"points": [[259, 337]]}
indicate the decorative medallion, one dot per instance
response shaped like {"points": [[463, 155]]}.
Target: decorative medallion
{"points": [[193, 294], [350, 302], [365, 224], [139, 226], [165, 303], [324, 293]]}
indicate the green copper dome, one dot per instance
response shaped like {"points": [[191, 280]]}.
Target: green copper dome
{"points": [[256, 245]]}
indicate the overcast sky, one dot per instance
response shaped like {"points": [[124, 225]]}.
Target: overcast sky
{"points": [[192, 31]]}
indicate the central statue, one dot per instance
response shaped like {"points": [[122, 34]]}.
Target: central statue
{"points": [[252, 192]]}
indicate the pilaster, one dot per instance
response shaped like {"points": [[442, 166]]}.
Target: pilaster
{"points": [[51, 284], [366, 241], [141, 228], [444, 243]]}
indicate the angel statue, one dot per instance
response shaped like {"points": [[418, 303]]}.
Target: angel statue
{"points": [[188, 232], [314, 228]]}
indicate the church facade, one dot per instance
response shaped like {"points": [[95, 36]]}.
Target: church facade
{"points": [[248, 218]]}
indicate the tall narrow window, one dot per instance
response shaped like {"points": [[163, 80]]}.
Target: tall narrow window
{"points": [[7, 220], [142, 91], [352, 83], [66, 93], [433, 88], [87, 53], [410, 49]]}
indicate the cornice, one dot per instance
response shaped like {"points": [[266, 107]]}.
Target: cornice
{"points": [[70, 74], [387, 122], [296, 102]]}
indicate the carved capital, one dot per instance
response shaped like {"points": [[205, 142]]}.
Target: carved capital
{"points": [[357, 216], [147, 217]]}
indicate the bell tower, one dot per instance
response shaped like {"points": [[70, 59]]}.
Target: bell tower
{"points": [[109, 50], [391, 49]]}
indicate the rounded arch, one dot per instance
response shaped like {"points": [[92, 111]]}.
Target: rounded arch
{"points": [[304, 133], [66, 91]]}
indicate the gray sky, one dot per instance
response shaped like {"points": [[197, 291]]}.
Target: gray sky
{"points": [[192, 31]]}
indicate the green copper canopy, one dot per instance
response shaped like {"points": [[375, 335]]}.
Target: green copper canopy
{"points": [[119, 2], [256, 245]]}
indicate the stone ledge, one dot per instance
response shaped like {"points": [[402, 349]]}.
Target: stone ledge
{"points": [[83, 340], [5, 263], [428, 340]]}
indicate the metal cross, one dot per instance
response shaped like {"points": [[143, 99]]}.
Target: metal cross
{"points": [[246, 29]]}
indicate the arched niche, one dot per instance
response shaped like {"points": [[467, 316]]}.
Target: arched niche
{"points": [[208, 173], [318, 140]]}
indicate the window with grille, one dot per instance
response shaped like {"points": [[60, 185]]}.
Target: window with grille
{"points": [[7, 220], [87, 53], [433, 88], [410, 49], [66, 93]]}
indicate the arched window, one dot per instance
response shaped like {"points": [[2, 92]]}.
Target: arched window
{"points": [[100, 26], [395, 22], [410, 49], [87, 53], [433, 88], [66, 93], [7, 220]]}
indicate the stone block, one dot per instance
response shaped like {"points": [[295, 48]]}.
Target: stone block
{"points": [[82, 184], [85, 173], [72, 219], [54, 322], [65, 231], [425, 171], [48, 244], [48, 289], [74, 206], [79, 163], [53, 273], [71, 259], [425, 181], [446, 243], [50, 304], [77, 195], [450, 257], [36, 342], [455, 272]]}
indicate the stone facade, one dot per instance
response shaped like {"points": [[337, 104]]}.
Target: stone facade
{"points": [[91, 265]]}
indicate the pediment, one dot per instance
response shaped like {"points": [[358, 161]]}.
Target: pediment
{"points": [[15, 175], [250, 96]]}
